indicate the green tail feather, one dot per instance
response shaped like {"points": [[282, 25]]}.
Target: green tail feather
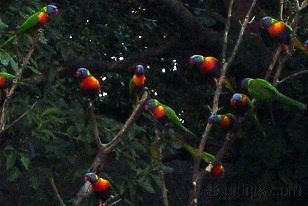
{"points": [[207, 157], [287, 100], [8, 41], [228, 84], [180, 126]]}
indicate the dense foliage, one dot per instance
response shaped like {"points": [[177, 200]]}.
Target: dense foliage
{"points": [[52, 140]]}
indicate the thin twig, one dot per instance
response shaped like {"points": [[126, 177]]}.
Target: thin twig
{"points": [[227, 28], [163, 187], [296, 74], [21, 116], [281, 9], [95, 128], [221, 152], [196, 180], [279, 69], [15, 82], [55, 189], [103, 152], [274, 61]]}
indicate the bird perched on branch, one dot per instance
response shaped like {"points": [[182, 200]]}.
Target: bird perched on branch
{"points": [[6, 81], [211, 67], [136, 84], [165, 115], [281, 32], [101, 187], [227, 122], [89, 85], [34, 22], [242, 106], [264, 91]]}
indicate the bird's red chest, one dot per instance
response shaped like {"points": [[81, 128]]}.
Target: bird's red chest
{"points": [[139, 80], [225, 122], [90, 83], [159, 112], [217, 170], [2, 81], [43, 17], [276, 29], [100, 185], [208, 65]]}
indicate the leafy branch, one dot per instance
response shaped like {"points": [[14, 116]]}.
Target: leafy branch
{"points": [[15, 82], [105, 149]]}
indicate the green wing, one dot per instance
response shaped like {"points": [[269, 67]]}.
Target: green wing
{"points": [[172, 117], [7, 75], [262, 90], [28, 24]]}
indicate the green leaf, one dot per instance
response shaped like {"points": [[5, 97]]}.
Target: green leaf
{"points": [[10, 160], [2, 25], [14, 64], [13, 174], [34, 70], [4, 58], [51, 110], [146, 185], [24, 161]]}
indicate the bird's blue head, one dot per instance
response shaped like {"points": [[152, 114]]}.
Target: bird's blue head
{"points": [[244, 83], [238, 99], [150, 104], [139, 69], [52, 9], [266, 22], [196, 59], [82, 73], [91, 177], [213, 119]]}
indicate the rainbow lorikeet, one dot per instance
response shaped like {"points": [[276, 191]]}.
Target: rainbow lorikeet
{"points": [[211, 67], [136, 84], [242, 106], [165, 115], [281, 32], [264, 91], [306, 44], [227, 122], [34, 22], [101, 187], [6, 81], [89, 85]]}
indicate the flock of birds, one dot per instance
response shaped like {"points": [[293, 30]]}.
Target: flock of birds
{"points": [[259, 89]]}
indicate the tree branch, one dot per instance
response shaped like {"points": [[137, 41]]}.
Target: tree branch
{"points": [[103, 152], [55, 189], [163, 187], [272, 65], [196, 180], [296, 74], [95, 129]]}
